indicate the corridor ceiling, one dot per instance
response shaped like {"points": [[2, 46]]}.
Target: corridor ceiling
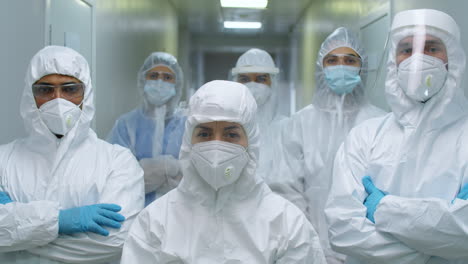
{"points": [[206, 16]]}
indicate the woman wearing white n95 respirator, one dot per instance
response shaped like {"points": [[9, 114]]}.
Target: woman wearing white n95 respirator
{"points": [[153, 131], [222, 212]]}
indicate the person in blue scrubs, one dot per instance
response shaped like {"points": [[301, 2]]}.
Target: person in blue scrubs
{"points": [[153, 131]]}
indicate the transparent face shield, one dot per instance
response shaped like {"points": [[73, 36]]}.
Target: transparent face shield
{"points": [[421, 61]]}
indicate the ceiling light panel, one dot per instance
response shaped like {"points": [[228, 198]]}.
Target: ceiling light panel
{"points": [[259, 4], [242, 24]]}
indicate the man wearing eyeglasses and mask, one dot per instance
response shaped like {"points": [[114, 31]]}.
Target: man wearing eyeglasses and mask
{"points": [[312, 136], [153, 131], [67, 196], [400, 181]]}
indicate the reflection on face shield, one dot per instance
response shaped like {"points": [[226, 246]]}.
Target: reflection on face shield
{"points": [[422, 68], [425, 44]]}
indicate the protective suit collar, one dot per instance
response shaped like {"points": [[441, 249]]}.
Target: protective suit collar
{"points": [[449, 104], [221, 101], [64, 61]]}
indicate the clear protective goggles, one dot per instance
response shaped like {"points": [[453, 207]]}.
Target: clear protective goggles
{"points": [[341, 59], [156, 75], [66, 91]]}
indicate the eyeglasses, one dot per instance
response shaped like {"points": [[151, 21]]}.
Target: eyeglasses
{"points": [[341, 59], [165, 76], [67, 91]]}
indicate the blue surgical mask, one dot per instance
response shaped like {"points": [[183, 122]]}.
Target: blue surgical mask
{"points": [[342, 79], [159, 92]]}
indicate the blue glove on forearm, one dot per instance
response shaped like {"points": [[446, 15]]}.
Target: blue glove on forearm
{"points": [[90, 218], [5, 198], [373, 198], [463, 194]]}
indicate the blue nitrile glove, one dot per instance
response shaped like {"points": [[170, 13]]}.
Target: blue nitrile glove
{"points": [[5, 198], [373, 198], [463, 194], [90, 218]]}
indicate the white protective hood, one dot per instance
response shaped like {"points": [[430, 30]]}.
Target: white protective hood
{"points": [[164, 59], [64, 61], [235, 104], [259, 61], [449, 103], [324, 98]]}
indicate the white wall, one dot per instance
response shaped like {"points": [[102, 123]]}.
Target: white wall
{"points": [[22, 31]]}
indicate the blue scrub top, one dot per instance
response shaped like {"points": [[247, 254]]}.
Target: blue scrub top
{"points": [[135, 131]]}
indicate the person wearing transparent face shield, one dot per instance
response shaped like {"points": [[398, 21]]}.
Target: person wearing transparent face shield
{"points": [[221, 212], [63, 190], [312, 136], [153, 131], [256, 70], [400, 181]]}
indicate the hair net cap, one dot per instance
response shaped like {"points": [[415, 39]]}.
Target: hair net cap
{"points": [[157, 59], [426, 17], [234, 103], [162, 59], [255, 60], [341, 37], [58, 60]]}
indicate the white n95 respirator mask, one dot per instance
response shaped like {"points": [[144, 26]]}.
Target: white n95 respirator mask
{"points": [[421, 76], [219, 163], [60, 115], [261, 92], [159, 92]]}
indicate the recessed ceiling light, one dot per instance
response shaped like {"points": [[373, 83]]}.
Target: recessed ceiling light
{"points": [[242, 24], [260, 4]]}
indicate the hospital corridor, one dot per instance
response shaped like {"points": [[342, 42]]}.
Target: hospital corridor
{"points": [[234, 131]]}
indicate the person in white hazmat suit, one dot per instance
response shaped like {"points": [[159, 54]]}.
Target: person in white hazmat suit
{"points": [[399, 182], [313, 135], [257, 70], [67, 196], [221, 212], [153, 131]]}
